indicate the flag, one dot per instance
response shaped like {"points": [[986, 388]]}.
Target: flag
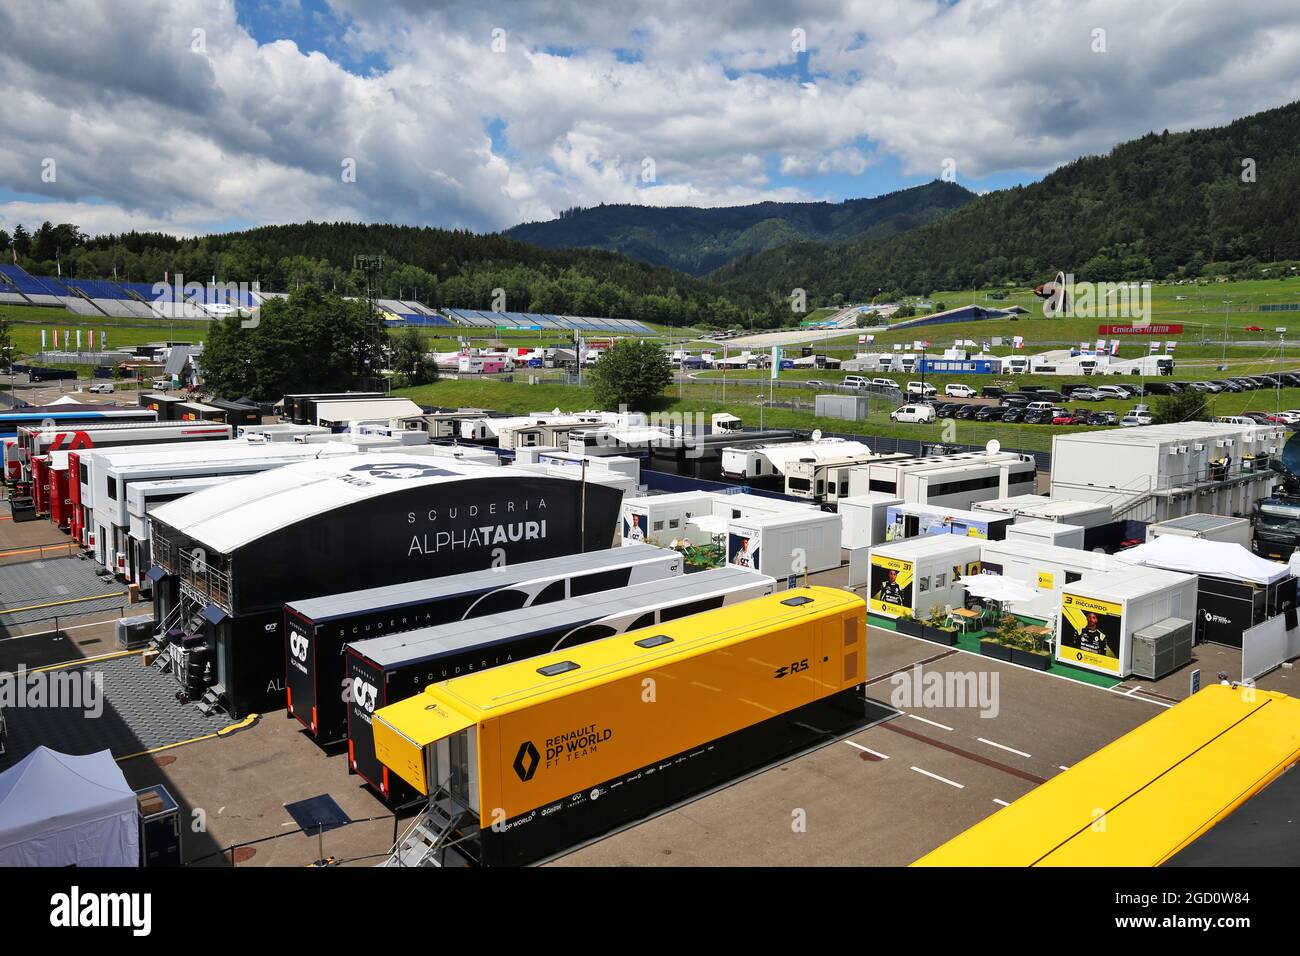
{"points": [[1114, 346], [42, 340], [1169, 346], [1085, 347], [1101, 345], [776, 362], [1155, 347]]}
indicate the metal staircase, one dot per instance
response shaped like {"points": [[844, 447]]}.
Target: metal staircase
{"points": [[433, 839]]}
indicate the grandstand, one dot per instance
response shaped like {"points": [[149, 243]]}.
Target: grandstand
{"points": [[95, 297]]}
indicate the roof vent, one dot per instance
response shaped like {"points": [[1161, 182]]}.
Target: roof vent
{"points": [[553, 670]]}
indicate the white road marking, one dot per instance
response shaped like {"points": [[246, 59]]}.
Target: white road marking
{"points": [[1062, 766], [932, 723], [868, 750], [935, 776], [994, 743], [1001, 803]]}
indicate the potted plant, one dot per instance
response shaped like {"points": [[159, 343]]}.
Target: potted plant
{"points": [[1028, 651], [937, 629], [906, 624], [998, 643]]}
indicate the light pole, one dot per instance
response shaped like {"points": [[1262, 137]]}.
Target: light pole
{"points": [[1281, 362], [1226, 304]]}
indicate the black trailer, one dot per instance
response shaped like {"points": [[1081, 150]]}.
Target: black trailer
{"points": [[700, 456], [163, 405], [298, 531], [197, 412], [316, 630], [384, 670], [236, 413]]}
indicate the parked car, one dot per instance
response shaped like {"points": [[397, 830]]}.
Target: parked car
{"points": [[1014, 401], [1037, 406], [1039, 416], [991, 413], [1262, 418], [1048, 395], [1291, 415], [1103, 418], [948, 410], [101, 388], [921, 389], [916, 413], [993, 391], [967, 412], [886, 384], [1063, 417], [162, 384], [1227, 385], [1254, 328], [853, 381], [1086, 394], [1013, 413], [1115, 391], [1136, 418], [958, 390], [1245, 383]]}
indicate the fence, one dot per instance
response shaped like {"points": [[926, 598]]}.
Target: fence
{"points": [[37, 553]]}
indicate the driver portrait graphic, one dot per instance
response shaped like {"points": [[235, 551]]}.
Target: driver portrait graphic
{"points": [[1090, 632], [890, 586]]}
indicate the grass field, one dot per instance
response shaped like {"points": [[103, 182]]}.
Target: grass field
{"points": [[26, 323], [521, 398]]}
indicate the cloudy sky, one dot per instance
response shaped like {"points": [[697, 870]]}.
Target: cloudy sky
{"points": [[201, 115]]}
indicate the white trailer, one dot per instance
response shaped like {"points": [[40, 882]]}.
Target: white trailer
{"points": [[909, 578], [785, 543], [283, 431], [908, 520], [949, 481], [864, 518], [742, 506], [824, 480], [468, 454], [1083, 514], [141, 498], [619, 464], [43, 439], [1209, 527], [766, 464], [1056, 533], [1044, 567], [114, 469], [339, 414], [613, 479], [1100, 615], [661, 519]]}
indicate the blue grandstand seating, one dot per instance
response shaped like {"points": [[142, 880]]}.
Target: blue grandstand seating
{"points": [[33, 285], [97, 288]]}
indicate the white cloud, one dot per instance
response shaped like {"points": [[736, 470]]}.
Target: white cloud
{"points": [[148, 133]]}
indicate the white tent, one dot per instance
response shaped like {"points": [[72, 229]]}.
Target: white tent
{"points": [[61, 810], [994, 587], [1221, 559]]}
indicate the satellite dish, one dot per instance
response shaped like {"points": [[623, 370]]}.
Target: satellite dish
{"points": [[993, 447], [678, 431], [817, 434]]}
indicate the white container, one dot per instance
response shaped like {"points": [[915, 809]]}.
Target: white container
{"points": [[1099, 615], [741, 506], [864, 519], [1055, 533], [786, 543], [660, 519], [1084, 514], [1209, 527], [911, 520], [915, 576], [622, 464]]}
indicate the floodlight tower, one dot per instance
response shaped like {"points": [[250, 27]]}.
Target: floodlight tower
{"points": [[369, 358]]}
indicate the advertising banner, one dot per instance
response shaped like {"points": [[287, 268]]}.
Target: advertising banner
{"points": [[1139, 330], [891, 586], [1090, 633], [634, 527]]}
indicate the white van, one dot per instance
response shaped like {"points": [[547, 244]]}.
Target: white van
{"points": [[922, 389], [959, 391], [917, 414], [1228, 420], [853, 381], [1114, 391], [1039, 406], [886, 383]]}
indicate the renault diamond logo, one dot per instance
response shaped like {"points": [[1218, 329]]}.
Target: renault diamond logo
{"points": [[526, 761]]}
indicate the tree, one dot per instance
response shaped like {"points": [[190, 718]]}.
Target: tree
{"points": [[408, 358], [311, 341], [6, 343], [632, 373], [1186, 406]]}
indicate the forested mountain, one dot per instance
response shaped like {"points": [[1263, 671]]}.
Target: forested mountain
{"points": [[701, 240], [437, 266], [1165, 205]]}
